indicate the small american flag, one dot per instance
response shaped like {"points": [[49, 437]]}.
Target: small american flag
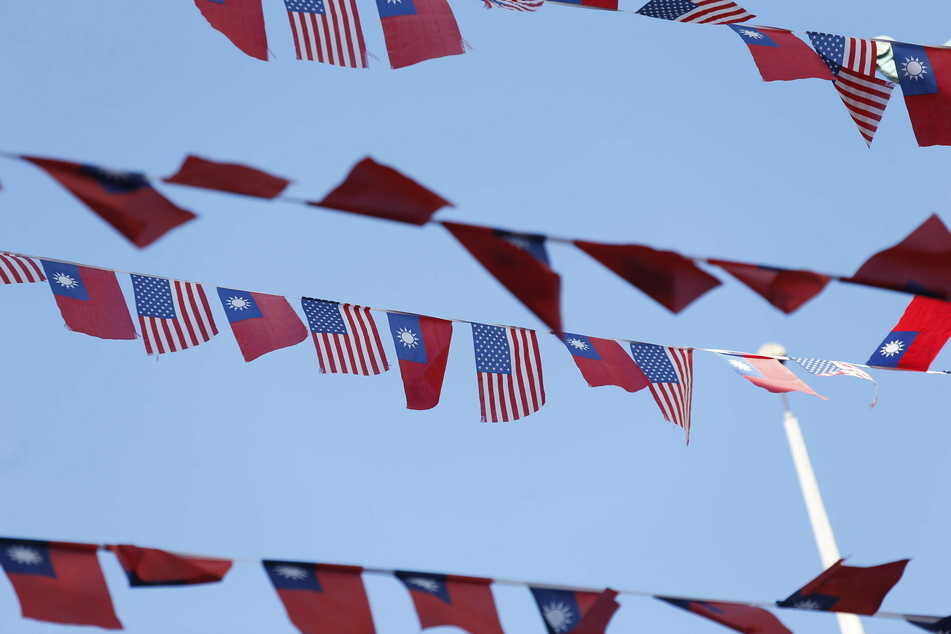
{"points": [[16, 269], [823, 367], [698, 11], [670, 372], [515, 5], [327, 31], [173, 315], [509, 369], [346, 338]]}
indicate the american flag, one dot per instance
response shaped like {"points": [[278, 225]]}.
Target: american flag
{"points": [[824, 367], [670, 372], [16, 269], [509, 368], [346, 338], [173, 315], [327, 31], [698, 11], [852, 61], [515, 5]]}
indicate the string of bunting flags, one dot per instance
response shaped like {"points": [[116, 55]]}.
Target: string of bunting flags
{"points": [[63, 582]]}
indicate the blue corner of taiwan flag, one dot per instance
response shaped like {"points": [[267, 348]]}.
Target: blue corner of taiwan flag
{"points": [[408, 334], [393, 8], [889, 354], [239, 305], [292, 575], [915, 72], [753, 36]]}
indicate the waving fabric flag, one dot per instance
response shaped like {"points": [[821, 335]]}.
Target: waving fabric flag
{"points": [[58, 582], [575, 612], [261, 323], [90, 300], [18, 269], [463, 602], [515, 5], [918, 337], [822, 367], [609, 5], [785, 289], [769, 374], [742, 618], [173, 315], [698, 11], [939, 627], [847, 588], [125, 200], [924, 73], [604, 362], [509, 369], [781, 56], [241, 21], [322, 597], [152, 567], [346, 338], [520, 262], [227, 177], [417, 30], [422, 347], [327, 31], [670, 372]]}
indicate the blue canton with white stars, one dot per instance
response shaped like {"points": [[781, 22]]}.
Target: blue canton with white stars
{"points": [[667, 9], [153, 297], [654, 363], [831, 49], [819, 367], [324, 316], [306, 6], [491, 349]]}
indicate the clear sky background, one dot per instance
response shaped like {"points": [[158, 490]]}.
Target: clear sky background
{"points": [[604, 126]]}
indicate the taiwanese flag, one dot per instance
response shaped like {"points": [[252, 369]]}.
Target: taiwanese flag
{"points": [[465, 602], [417, 30], [669, 278], [785, 289], [742, 618], [917, 338], [769, 374], [520, 262], [241, 21], [380, 191], [58, 582], [781, 56], [152, 567], [604, 362], [847, 589], [924, 73], [125, 200], [919, 264], [90, 300], [575, 612], [228, 177], [261, 323], [422, 347], [942, 625], [322, 598]]}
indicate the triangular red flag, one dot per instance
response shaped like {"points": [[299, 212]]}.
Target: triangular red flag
{"points": [[153, 567], [227, 177], [780, 55], [847, 589], [241, 21], [742, 618], [785, 289], [261, 323], [769, 374], [604, 362]]}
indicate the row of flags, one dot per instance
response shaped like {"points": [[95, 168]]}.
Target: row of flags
{"points": [[920, 264], [63, 582], [174, 315]]}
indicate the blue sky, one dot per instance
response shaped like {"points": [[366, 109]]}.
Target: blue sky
{"points": [[604, 126]]}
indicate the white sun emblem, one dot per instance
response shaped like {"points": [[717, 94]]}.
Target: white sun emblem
{"points": [[914, 68], [892, 348], [558, 615], [577, 343], [66, 281], [394, 1], [742, 366], [808, 604], [24, 555], [239, 303], [407, 337], [753, 35], [429, 585], [291, 572]]}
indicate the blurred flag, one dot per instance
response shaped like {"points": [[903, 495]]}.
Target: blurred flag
{"points": [[604, 362], [698, 11], [742, 618], [918, 336], [822, 367], [785, 289], [346, 338], [90, 300], [422, 347], [781, 56], [942, 626], [241, 21], [327, 31], [463, 602], [322, 597], [515, 5], [152, 567], [19, 269], [509, 370], [924, 73], [58, 582], [610, 5], [670, 372], [575, 612], [227, 177], [847, 588], [769, 374], [173, 315], [417, 30], [261, 323]]}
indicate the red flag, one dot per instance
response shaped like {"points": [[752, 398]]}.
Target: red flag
{"points": [[769, 374], [519, 261], [465, 602], [125, 200], [261, 323], [422, 347], [575, 612], [924, 73], [152, 567], [918, 337], [376, 190], [90, 300], [417, 30], [241, 21], [58, 582], [604, 362], [742, 618], [781, 56], [668, 277], [920, 264], [847, 589], [785, 289], [228, 177], [322, 598]]}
